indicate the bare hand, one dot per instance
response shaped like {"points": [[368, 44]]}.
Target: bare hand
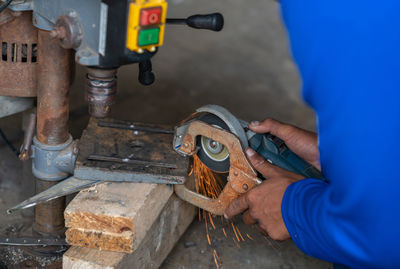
{"points": [[262, 204], [303, 143]]}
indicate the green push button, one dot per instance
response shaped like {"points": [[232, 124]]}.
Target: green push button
{"points": [[149, 37]]}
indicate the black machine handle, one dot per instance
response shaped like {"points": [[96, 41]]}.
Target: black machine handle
{"points": [[146, 75], [214, 22]]}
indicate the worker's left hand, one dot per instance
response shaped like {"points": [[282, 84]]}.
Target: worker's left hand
{"points": [[262, 204]]}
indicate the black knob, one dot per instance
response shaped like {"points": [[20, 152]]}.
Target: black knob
{"points": [[214, 22], [146, 76]]}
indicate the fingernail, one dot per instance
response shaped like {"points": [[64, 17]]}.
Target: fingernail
{"points": [[250, 152], [225, 216], [255, 123]]}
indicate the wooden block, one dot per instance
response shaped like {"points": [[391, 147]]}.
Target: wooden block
{"points": [[157, 242], [114, 216]]}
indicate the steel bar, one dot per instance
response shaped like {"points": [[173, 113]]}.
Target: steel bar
{"points": [[65, 187], [131, 161], [135, 128]]}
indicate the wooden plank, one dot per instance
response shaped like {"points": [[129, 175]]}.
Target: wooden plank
{"points": [[114, 216], [157, 242]]}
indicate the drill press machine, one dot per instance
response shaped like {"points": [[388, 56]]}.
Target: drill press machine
{"points": [[40, 41]]}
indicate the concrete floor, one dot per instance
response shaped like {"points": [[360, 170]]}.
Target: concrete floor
{"points": [[246, 68]]}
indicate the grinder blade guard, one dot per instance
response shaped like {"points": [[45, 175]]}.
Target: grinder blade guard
{"points": [[213, 154]]}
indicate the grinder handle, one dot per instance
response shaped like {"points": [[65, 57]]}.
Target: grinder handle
{"points": [[275, 150]]}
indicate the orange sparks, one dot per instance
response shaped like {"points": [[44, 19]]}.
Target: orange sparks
{"points": [[211, 185], [223, 229], [240, 234], [249, 237], [234, 230], [216, 258], [207, 183], [211, 221], [234, 240]]}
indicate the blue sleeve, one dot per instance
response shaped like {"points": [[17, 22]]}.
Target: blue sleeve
{"points": [[348, 56]]}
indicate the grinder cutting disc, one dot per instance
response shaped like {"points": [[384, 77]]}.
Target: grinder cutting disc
{"points": [[213, 154]]}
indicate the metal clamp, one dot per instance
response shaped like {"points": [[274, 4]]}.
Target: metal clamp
{"points": [[242, 176], [53, 163]]}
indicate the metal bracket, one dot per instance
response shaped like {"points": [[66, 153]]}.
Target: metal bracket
{"points": [[53, 163]]}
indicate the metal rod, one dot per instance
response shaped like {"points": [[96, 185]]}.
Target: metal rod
{"points": [[49, 216], [30, 241], [135, 128], [53, 90], [54, 73], [130, 161], [29, 133], [176, 21]]}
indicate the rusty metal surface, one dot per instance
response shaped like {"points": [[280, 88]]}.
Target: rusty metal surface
{"points": [[100, 91], [52, 121], [53, 90], [18, 60], [8, 15], [49, 217], [242, 176], [141, 147]]}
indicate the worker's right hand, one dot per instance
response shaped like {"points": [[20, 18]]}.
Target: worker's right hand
{"points": [[303, 143]]}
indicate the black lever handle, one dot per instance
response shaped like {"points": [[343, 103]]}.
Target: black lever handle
{"points": [[146, 75], [214, 22]]}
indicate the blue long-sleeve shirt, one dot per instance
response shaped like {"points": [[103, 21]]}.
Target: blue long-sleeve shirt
{"points": [[348, 55]]}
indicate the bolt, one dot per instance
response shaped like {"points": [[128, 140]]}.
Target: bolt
{"points": [[58, 32], [235, 173], [245, 187]]}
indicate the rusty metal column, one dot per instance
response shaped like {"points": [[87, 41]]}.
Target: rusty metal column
{"points": [[54, 73]]}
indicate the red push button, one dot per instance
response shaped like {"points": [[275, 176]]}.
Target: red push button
{"points": [[150, 16]]}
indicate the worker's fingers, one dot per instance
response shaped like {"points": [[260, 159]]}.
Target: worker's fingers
{"points": [[272, 126], [262, 165], [237, 206], [248, 219]]}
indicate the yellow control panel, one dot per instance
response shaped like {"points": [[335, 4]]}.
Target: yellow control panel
{"points": [[146, 25]]}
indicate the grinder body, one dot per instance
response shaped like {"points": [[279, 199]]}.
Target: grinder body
{"points": [[275, 151]]}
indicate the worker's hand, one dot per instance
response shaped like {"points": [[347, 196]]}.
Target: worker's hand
{"points": [[303, 143], [262, 204]]}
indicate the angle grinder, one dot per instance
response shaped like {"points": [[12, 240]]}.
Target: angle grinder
{"points": [[216, 156]]}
